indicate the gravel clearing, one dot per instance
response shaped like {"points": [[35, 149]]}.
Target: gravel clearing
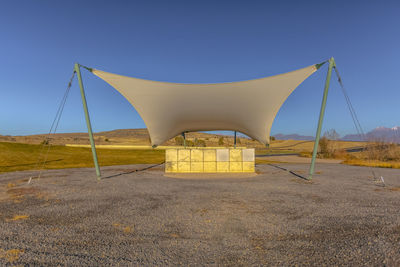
{"points": [[342, 217]]}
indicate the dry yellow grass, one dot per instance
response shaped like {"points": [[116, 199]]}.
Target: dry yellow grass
{"points": [[372, 163], [375, 154], [304, 148], [126, 229], [10, 185], [307, 146], [18, 217], [10, 255], [266, 161]]}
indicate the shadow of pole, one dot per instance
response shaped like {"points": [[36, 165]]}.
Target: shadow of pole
{"points": [[128, 172], [291, 172]]}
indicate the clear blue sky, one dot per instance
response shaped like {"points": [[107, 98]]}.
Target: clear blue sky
{"points": [[196, 41]]}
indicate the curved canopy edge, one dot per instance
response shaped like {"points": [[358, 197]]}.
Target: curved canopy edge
{"points": [[169, 109]]}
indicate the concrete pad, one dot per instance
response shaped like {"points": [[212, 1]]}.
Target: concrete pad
{"points": [[205, 176]]}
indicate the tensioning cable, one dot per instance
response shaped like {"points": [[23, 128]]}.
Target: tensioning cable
{"points": [[356, 121], [40, 164]]}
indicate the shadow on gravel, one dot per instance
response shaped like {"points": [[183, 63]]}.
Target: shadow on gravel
{"points": [[291, 172], [128, 172]]}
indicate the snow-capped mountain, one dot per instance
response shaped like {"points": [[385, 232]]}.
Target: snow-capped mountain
{"points": [[378, 134]]}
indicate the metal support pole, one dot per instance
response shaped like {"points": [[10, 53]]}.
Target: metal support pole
{"points": [[234, 143], [321, 116], [89, 126], [184, 139]]}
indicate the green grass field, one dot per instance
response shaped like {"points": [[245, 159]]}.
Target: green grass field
{"points": [[19, 157]]}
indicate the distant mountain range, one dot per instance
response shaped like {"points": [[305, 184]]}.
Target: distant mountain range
{"points": [[377, 134], [293, 137], [141, 137]]}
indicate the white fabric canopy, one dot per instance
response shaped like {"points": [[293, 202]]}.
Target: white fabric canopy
{"points": [[169, 109]]}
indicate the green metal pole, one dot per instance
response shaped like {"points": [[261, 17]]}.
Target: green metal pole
{"points": [[234, 143], [321, 116], [89, 126], [184, 139]]}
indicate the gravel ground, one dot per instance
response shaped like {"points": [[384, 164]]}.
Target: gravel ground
{"points": [[342, 217]]}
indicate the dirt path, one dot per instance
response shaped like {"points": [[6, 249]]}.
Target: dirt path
{"points": [[298, 159]]}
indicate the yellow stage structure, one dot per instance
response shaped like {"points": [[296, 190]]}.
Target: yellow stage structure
{"points": [[169, 109], [208, 160]]}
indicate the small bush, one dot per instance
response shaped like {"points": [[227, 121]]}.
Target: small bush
{"points": [[325, 148], [221, 141], [199, 143], [189, 143], [45, 142], [382, 151], [305, 154], [179, 141]]}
